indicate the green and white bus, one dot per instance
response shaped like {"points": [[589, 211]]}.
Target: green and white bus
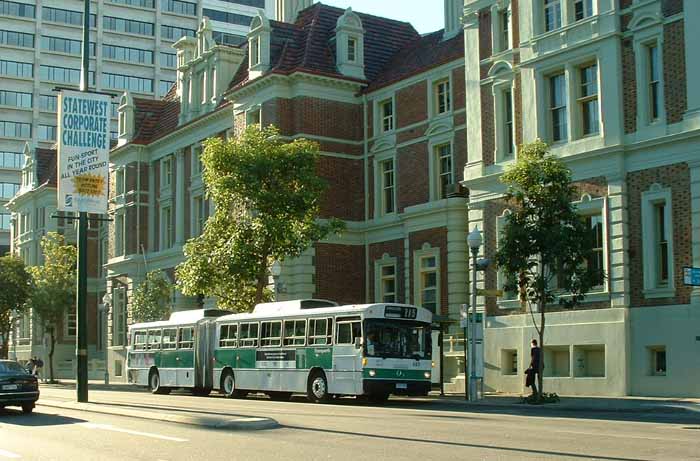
{"points": [[317, 348], [174, 353], [312, 347]]}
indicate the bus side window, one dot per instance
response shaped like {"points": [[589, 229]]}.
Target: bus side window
{"points": [[294, 332], [248, 336], [139, 340], [154, 339], [271, 334], [170, 338], [185, 335], [329, 331], [318, 331], [227, 335], [346, 332]]}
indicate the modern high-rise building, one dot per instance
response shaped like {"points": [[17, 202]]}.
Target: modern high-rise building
{"points": [[130, 47]]}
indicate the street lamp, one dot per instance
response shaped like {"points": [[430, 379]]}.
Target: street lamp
{"points": [[474, 240], [276, 270], [104, 308]]}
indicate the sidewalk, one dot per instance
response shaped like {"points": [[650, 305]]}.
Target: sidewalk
{"points": [[579, 403]]}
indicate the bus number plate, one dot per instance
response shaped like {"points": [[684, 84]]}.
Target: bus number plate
{"points": [[401, 386]]}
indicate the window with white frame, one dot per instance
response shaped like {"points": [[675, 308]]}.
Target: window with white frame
{"points": [[166, 167], [653, 81], [505, 123], [443, 162], [582, 9], [441, 93], [427, 278], [386, 112], [352, 49], [657, 242], [196, 159], [387, 284], [558, 107], [203, 87], [119, 178], [552, 14], [387, 186], [504, 29], [119, 234], [596, 260], [166, 228], [198, 214], [119, 316], [70, 324], [588, 100]]}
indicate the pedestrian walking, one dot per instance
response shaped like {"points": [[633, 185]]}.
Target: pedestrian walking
{"points": [[38, 366], [533, 372]]}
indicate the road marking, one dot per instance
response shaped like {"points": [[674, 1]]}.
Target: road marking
{"points": [[8, 454], [107, 427]]}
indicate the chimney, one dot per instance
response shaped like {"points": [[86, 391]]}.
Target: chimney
{"points": [[287, 10], [453, 16]]}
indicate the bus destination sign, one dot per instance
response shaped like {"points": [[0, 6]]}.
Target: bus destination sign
{"points": [[400, 312]]}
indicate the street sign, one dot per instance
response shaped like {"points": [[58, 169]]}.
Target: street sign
{"points": [[83, 151], [691, 276], [489, 293]]}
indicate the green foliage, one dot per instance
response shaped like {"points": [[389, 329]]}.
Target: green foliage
{"points": [[267, 196], [544, 238], [540, 399], [54, 291], [15, 286], [150, 301]]}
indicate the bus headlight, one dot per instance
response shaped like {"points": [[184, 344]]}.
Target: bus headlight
{"points": [[427, 375], [364, 361], [432, 364], [372, 373]]}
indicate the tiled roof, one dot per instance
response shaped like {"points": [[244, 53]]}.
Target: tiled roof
{"points": [[45, 160], [154, 118], [419, 56], [308, 45]]}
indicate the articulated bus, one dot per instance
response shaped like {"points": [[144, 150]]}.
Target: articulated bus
{"points": [[311, 347]]}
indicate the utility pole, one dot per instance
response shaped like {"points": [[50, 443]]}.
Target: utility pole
{"points": [[81, 346]]}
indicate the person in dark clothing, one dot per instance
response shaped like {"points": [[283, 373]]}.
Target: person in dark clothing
{"points": [[533, 371]]}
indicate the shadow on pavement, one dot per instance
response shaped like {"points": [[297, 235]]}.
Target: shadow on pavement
{"points": [[36, 419], [465, 445]]}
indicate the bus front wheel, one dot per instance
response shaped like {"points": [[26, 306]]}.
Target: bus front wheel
{"points": [[154, 383], [317, 391]]}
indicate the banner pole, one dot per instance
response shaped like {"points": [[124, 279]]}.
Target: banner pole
{"points": [[81, 308]]}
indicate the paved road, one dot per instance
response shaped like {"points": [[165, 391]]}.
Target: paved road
{"points": [[346, 430]]}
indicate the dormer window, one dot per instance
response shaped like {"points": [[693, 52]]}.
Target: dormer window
{"points": [[254, 52], [352, 45], [125, 111]]}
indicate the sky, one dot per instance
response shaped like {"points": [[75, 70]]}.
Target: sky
{"points": [[425, 15]]}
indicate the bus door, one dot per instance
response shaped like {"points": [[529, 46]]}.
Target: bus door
{"points": [[202, 354], [347, 356]]}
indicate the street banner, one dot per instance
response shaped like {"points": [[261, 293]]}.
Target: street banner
{"points": [[83, 151]]}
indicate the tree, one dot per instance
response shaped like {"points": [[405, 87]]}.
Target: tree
{"points": [[267, 196], [150, 301], [15, 285], [544, 238], [54, 291]]}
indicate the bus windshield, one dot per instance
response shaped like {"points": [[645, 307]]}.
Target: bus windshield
{"points": [[397, 339]]}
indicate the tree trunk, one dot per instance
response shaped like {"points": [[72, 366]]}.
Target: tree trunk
{"points": [[260, 286], [51, 351]]}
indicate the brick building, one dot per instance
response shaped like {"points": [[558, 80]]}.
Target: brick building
{"points": [[608, 84]]}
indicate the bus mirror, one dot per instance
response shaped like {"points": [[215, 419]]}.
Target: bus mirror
{"points": [[358, 342]]}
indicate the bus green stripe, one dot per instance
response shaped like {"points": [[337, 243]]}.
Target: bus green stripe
{"points": [[306, 358]]}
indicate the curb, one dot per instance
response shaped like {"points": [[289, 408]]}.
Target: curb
{"points": [[243, 423]]}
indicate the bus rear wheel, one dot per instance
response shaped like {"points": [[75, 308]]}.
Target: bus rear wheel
{"points": [[228, 386], [154, 383], [317, 391]]}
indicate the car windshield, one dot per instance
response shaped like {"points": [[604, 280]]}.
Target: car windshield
{"points": [[397, 339], [7, 368]]}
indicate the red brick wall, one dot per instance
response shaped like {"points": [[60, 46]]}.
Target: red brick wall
{"points": [[437, 238], [344, 198], [459, 93], [156, 211], [311, 116], [674, 71], [629, 87], [394, 248], [412, 177], [188, 194], [460, 154], [340, 273], [411, 104], [515, 22], [488, 141], [595, 187], [676, 177], [625, 4], [485, 42], [518, 110], [370, 186]]}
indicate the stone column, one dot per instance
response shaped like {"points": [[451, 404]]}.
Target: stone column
{"points": [[180, 187], [618, 277]]}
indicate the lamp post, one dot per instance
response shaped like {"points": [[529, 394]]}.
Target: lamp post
{"points": [[104, 308], [474, 240], [276, 270]]}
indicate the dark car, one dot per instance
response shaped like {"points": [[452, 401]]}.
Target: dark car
{"points": [[18, 388]]}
